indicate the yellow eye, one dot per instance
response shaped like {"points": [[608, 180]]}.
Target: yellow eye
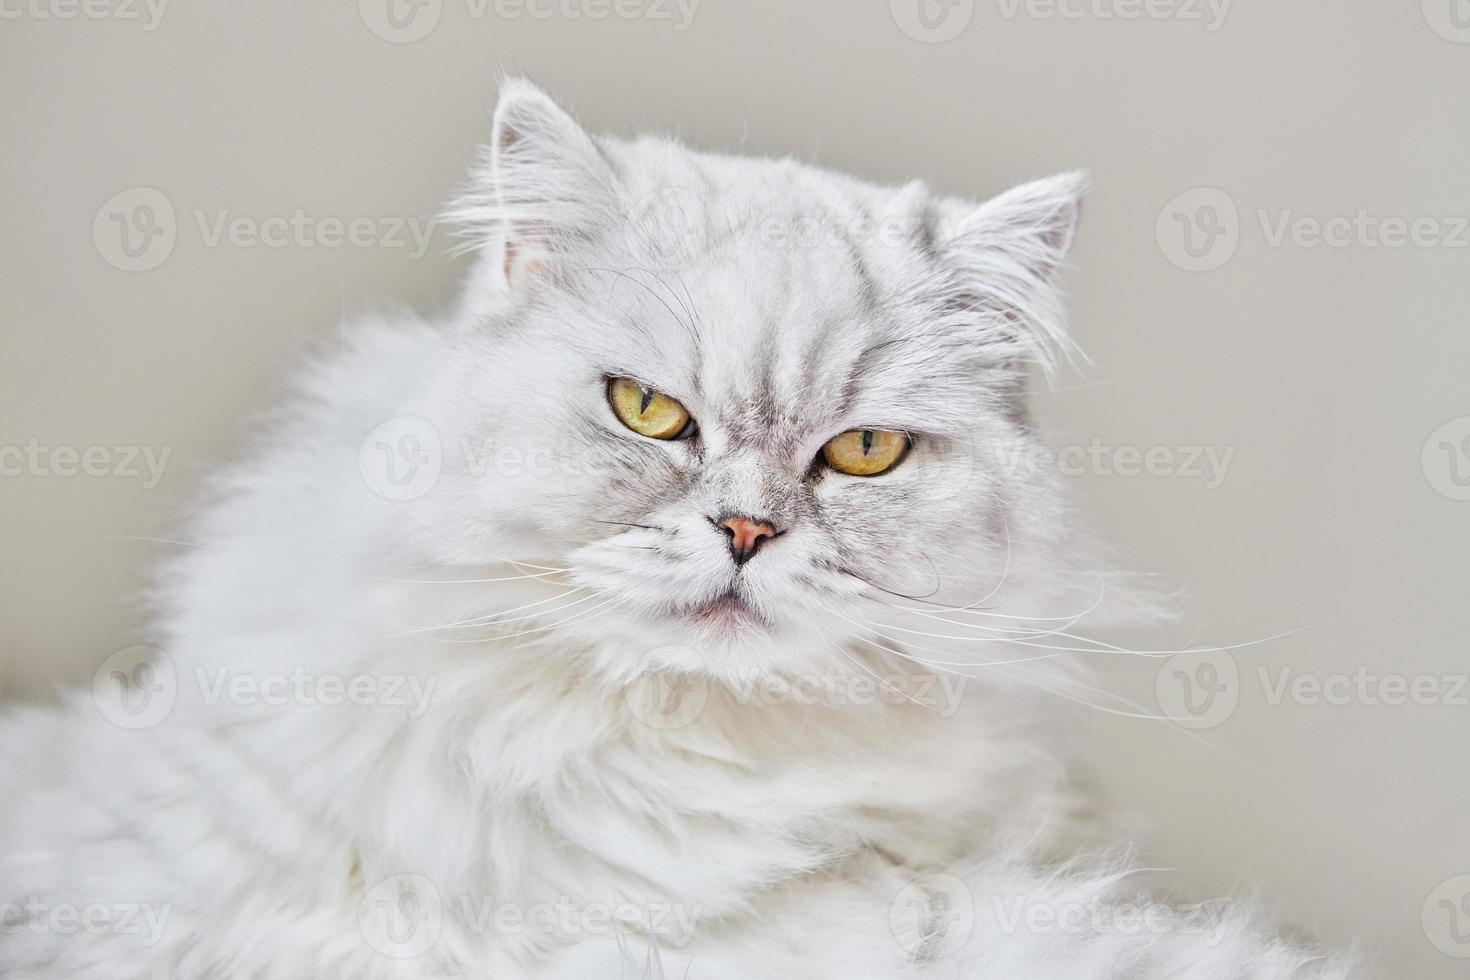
{"points": [[865, 452], [648, 412]]}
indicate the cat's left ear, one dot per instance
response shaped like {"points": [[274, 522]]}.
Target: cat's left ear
{"points": [[1005, 253], [541, 184]]}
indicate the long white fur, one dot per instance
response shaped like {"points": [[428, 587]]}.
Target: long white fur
{"points": [[790, 838]]}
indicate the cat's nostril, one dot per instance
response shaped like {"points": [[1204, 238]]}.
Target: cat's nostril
{"points": [[746, 535]]}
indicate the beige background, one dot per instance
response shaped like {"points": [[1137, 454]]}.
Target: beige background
{"points": [[1325, 368]]}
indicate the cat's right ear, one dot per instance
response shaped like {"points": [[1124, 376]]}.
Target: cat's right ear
{"points": [[1004, 255], [541, 184]]}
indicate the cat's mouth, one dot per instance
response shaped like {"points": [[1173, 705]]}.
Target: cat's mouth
{"points": [[727, 611]]}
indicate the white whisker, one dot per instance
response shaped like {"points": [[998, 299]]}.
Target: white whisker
{"points": [[495, 617], [541, 629]]}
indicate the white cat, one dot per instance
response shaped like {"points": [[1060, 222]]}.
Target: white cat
{"points": [[692, 603]]}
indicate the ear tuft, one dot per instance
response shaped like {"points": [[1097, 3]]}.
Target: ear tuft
{"points": [[1039, 217], [1005, 254], [526, 117], [540, 184]]}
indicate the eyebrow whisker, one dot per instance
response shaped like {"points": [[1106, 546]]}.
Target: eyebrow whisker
{"points": [[646, 527]]}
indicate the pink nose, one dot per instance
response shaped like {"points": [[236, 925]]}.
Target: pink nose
{"points": [[746, 535]]}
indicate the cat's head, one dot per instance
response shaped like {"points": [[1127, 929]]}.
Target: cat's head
{"points": [[748, 404]]}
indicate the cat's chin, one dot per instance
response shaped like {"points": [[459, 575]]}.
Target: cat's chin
{"points": [[693, 635], [726, 617]]}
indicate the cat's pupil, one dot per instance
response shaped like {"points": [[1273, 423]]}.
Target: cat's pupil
{"points": [[867, 441], [647, 399]]}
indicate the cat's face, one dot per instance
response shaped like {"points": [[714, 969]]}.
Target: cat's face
{"points": [[742, 400]]}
